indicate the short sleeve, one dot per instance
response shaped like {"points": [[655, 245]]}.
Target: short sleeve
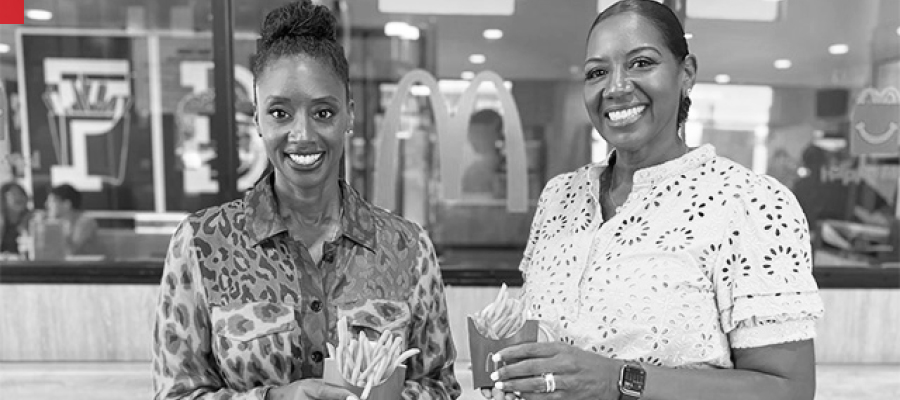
{"points": [[765, 289]]}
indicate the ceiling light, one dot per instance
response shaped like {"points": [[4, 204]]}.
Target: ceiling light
{"points": [[477, 58], [468, 75], [838, 48], [688, 36], [782, 64], [898, 31], [38, 14], [401, 30], [493, 34], [723, 78], [420, 90], [4, 48], [411, 33], [395, 28]]}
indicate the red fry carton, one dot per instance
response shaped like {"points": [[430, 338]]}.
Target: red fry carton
{"points": [[482, 349], [390, 389]]}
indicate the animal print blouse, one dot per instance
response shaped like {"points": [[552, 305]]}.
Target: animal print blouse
{"points": [[243, 308]]}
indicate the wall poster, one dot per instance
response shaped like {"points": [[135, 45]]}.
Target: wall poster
{"points": [[125, 117]]}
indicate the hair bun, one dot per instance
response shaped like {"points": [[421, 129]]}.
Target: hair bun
{"points": [[296, 20]]}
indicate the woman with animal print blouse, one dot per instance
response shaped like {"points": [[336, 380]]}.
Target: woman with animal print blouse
{"points": [[252, 289]]}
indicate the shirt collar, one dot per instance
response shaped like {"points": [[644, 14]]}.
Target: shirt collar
{"points": [[657, 173], [263, 222]]}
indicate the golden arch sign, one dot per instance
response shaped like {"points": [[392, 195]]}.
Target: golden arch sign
{"points": [[450, 131]]}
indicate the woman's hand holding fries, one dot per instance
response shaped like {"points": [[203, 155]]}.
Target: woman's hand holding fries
{"points": [[367, 363], [502, 318]]}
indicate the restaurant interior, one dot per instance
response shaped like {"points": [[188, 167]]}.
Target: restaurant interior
{"points": [[118, 99]]}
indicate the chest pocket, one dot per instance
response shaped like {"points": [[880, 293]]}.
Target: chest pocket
{"points": [[374, 316], [258, 337]]}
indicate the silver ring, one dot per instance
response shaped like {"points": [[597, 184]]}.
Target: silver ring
{"points": [[550, 382]]}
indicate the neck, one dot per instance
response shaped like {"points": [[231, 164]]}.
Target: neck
{"points": [[312, 206], [628, 162]]}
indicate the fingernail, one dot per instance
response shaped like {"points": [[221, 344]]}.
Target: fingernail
{"points": [[496, 357], [495, 375], [498, 385]]}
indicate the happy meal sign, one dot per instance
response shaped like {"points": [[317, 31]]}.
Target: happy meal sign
{"points": [[875, 122]]}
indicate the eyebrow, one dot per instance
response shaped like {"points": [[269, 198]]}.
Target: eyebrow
{"points": [[630, 53], [277, 98]]}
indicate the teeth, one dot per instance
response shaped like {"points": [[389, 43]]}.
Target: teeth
{"points": [[626, 113], [305, 159]]}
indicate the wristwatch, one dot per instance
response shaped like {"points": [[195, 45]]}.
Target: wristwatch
{"points": [[632, 379]]}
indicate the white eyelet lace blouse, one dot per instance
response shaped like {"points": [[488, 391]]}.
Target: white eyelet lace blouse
{"points": [[703, 257]]}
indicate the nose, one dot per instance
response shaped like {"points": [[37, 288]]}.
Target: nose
{"points": [[299, 130], [619, 84]]}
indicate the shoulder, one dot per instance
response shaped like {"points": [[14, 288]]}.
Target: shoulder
{"points": [[756, 198], [204, 222], [85, 221], [564, 183], [387, 223]]}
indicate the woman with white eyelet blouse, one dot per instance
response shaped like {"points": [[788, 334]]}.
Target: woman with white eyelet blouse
{"points": [[666, 272]]}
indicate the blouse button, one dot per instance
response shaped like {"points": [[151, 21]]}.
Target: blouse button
{"points": [[317, 356], [316, 306]]}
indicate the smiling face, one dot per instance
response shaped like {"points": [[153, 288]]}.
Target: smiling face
{"points": [[634, 84], [303, 113]]}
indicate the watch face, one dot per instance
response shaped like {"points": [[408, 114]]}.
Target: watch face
{"points": [[633, 379]]}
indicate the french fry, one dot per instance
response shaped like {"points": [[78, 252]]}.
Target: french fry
{"points": [[365, 362], [501, 318], [368, 389], [404, 356]]}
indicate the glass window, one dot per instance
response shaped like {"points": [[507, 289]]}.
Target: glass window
{"points": [[117, 98]]}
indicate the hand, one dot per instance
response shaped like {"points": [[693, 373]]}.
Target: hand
{"points": [[578, 374], [310, 389]]}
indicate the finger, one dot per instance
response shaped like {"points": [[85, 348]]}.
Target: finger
{"points": [[486, 393], [531, 384], [497, 394], [316, 389], [526, 369], [528, 350]]}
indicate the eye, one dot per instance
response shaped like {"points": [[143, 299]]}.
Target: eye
{"points": [[324, 114], [642, 63], [278, 113], [594, 74]]}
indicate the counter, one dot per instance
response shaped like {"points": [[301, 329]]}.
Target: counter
{"points": [[476, 267], [104, 310]]}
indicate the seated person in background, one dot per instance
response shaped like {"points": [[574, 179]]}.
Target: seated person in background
{"points": [[485, 131], [14, 216], [819, 198], [64, 205]]}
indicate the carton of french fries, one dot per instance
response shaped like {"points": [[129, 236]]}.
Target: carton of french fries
{"points": [[501, 324], [371, 369]]}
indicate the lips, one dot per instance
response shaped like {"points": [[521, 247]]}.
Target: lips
{"points": [[625, 116]]}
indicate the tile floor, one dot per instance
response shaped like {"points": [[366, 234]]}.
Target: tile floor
{"points": [[131, 381]]}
